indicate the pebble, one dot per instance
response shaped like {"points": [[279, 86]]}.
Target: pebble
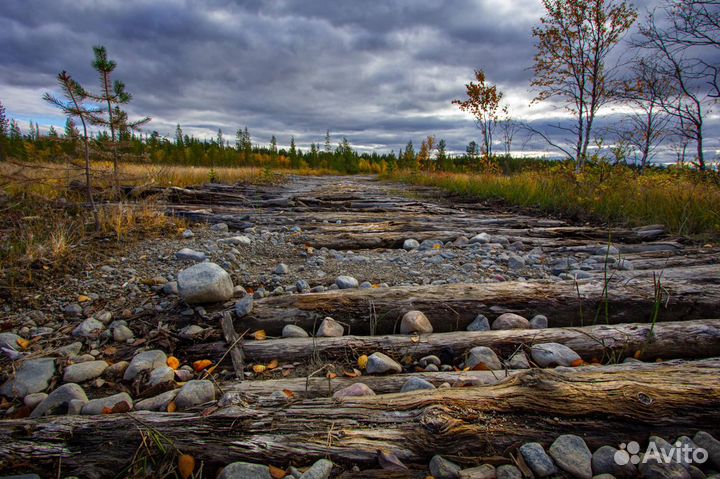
{"points": [[510, 321], [486, 471], [282, 268], [711, 445], [157, 403], [508, 471], [430, 360], [78, 373], [330, 328], [441, 468], [9, 340], [379, 363], [354, 390], [122, 333], [171, 287], [160, 375], [415, 322], [480, 323], [97, 406], [320, 470], [32, 376], [293, 331], [428, 244], [244, 306], [245, 470], [236, 240], [32, 400], [72, 349], [220, 228], [190, 331], [194, 393], [572, 455], [302, 286], [603, 462], [187, 254], [91, 327], [204, 283], [117, 370], [346, 282], [537, 459], [59, 399], [145, 361], [608, 250], [480, 238], [410, 244], [73, 309], [187, 234], [416, 384], [518, 360], [553, 354], [539, 321], [482, 358], [516, 262]]}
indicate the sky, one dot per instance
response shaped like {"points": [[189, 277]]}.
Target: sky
{"points": [[380, 73]]}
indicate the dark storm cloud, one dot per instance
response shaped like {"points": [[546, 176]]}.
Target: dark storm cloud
{"points": [[380, 73]]}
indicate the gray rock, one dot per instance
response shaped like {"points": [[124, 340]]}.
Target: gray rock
{"points": [[428, 360], [510, 321], [482, 357], [553, 354], [157, 403], [480, 238], [486, 471], [516, 262], [160, 375], [204, 283], [32, 376], [59, 399], [410, 244], [72, 349], [441, 468], [75, 407], [354, 390], [171, 287], [539, 321], [117, 370], [96, 406], [518, 360], [572, 455], [608, 250], [73, 309], [236, 240], [190, 331], [187, 234], [711, 445], [415, 322], [293, 331], [508, 471], [302, 286], [194, 393], [145, 361], [282, 268], [603, 462], [670, 470], [80, 372], [9, 340], [625, 264], [320, 470], [32, 400], [480, 323], [346, 282], [238, 291], [244, 306], [122, 333], [330, 328], [91, 327], [245, 470], [537, 459], [416, 384], [220, 228], [379, 363], [432, 368], [428, 244], [187, 254], [687, 444]]}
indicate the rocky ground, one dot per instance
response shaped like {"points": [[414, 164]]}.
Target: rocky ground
{"points": [[141, 331]]}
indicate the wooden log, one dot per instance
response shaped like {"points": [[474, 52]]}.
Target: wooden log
{"points": [[453, 307], [668, 340], [602, 407]]}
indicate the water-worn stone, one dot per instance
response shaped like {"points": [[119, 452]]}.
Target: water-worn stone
{"points": [[220, 228], [430, 244], [379, 363], [236, 240], [145, 361], [416, 384], [572, 455], [32, 376], [415, 322], [430, 360], [670, 470], [97, 406], [553, 354], [357, 389], [160, 375], [603, 462], [481, 238], [80, 372], [329, 328], [510, 321], [58, 400], [320, 470], [480, 323], [194, 393], [187, 254], [170, 287], [244, 306], [508, 471], [117, 370], [282, 268], [410, 244], [122, 333], [245, 470], [482, 358], [518, 360], [486, 471], [293, 331], [537, 459], [204, 283], [539, 321], [10, 341], [711, 445], [157, 403], [89, 328], [346, 282], [441, 468], [516, 261]]}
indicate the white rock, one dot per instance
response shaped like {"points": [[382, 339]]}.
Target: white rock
{"points": [[204, 283]]}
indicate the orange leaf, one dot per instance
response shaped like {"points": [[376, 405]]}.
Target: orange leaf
{"points": [[331, 375], [122, 406], [362, 361], [277, 473], [351, 374], [289, 393], [273, 364], [83, 299], [260, 335], [638, 354], [186, 465], [201, 364], [259, 368], [480, 367], [577, 362], [171, 407], [23, 343], [173, 362], [107, 410]]}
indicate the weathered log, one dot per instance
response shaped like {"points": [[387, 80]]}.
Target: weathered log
{"points": [[452, 307], [602, 407], [669, 340]]}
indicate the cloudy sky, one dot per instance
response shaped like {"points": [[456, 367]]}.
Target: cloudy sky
{"points": [[379, 72]]}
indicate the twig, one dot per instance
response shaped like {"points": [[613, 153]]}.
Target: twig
{"points": [[235, 350]]}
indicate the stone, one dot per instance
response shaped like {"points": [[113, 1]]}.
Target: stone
{"points": [[32, 400], [187, 234], [539, 321], [379, 363], [603, 462], [670, 470], [508, 471], [157, 403], [302, 286], [410, 244], [91, 327], [480, 238], [9, 341], [429, 244], [354, 390], [293, 331], [187, 254], [625, 265], [195, 393], [518, 360], [282, 268], [97, 406], [430, 360], [516, 261], [171, 287], [73, 309], [72, 349], [244, 306], [145, 361], [122, 333], [117, 370], [346, 282], [77, 373], [553, 354], [537, 459], [510, 321], [482, 358], [320, 470], [245, 470], [441, 468], [711, 445], [330, 328], [415, 322], [220, 228], [608, 250], [59, 399], [204, 283], [190, 331], [160, 375], [486, 471], [572, 455], [32, 376], [416, 384], [480, 323], [236, 240]]}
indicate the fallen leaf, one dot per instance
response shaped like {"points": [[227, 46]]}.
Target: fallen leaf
{"points": [[480, 367], [390, 461], [285, 373], [638, 354], [201, 364], [415, 339], [331, 375], [171, 407], [276, 472], [23, 343], [107, 410], [577, 362], [186, 465], [351, 374], [273, 364], [259, 368], [260, 335], [83, 299], [173, 362], [120, 407], [362, 361], [289, 393]]}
